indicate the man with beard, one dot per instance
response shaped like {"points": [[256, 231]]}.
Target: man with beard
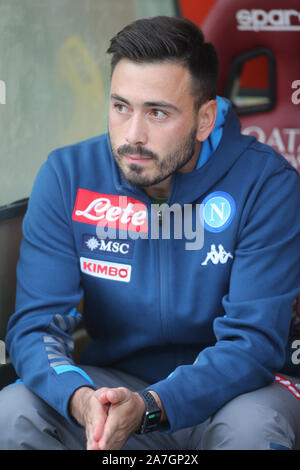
{"points": [[188, 346]]}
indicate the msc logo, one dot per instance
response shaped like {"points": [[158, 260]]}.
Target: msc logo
{"points": [[217, 211], [116, 247]]}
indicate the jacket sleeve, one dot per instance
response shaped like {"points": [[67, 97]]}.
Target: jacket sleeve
{"points": [[39, 334], [251, 336]]}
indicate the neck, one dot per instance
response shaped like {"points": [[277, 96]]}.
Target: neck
{"points": [[161, 189]]}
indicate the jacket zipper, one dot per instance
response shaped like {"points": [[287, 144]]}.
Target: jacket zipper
{"points": [[162, 273]]}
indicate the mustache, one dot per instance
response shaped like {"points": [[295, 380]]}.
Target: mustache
{"points": [[135, 150]]}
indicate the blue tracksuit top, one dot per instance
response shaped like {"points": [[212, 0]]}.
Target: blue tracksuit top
{"points": [[201, 326]]}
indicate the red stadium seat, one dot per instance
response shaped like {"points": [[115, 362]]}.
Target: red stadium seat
{"points": [[258, 42]]}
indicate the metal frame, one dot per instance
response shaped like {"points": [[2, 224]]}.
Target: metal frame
{"points": [[235, 71], [14, 209]]}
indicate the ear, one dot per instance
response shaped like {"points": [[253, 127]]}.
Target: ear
{"points": [[207, 116]]}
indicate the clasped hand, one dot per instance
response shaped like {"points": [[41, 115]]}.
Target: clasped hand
{"points": [[109, 415]]}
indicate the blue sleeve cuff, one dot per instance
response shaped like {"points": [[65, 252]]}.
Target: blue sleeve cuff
{"points": [[68, 379]]}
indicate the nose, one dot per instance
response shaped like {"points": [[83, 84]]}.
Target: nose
{"points": [[136, 132]]}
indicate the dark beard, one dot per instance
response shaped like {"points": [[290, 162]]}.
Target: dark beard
{"points": [[173, 162]]}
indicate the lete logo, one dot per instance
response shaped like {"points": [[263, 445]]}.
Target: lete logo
{"points": [[108, 210]]}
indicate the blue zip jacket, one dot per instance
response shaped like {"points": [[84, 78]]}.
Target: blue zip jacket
{"points": [[201, 326]]}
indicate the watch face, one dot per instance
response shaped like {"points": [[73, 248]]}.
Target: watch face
{"points": [[152, 418]]}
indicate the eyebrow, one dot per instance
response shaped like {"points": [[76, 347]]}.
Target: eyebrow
{"points": [[153, 104]]}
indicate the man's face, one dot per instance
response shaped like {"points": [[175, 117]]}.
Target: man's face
{"points": [[152, 121]]}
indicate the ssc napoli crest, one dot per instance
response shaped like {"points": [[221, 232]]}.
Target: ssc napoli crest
{"points": [[217, 211]]}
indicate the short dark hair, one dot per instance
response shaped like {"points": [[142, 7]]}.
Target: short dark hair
{"points": [[164, 38]]}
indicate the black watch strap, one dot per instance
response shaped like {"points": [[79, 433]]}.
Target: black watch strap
{"points": [[151, 417]]}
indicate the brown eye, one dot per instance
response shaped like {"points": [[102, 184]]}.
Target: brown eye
{"points": [[159, 114], [121, 108]]}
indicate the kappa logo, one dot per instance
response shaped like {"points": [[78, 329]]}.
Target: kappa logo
{"points": [[106, 269], [217, 211], [217, 257], [116, 247]]}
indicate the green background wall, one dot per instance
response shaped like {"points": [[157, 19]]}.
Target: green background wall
{"points": [[54, 75]]}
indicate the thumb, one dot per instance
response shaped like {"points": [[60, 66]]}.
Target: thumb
{"points": [[113, 396]]}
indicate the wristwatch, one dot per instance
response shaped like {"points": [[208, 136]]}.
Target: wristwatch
{"points": [[151, 417]]}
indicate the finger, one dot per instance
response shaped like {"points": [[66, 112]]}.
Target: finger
{"points": [[113, 396], [93, 446], [101, 392], [105, 444], [116, 395], [95, 423], [113, 431], [104, 399], [109, 431], [90, 443], [112, 434], [99, 426]]}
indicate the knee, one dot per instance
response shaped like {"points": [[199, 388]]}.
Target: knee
{"points": [[16, 406], [243, 426]]}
